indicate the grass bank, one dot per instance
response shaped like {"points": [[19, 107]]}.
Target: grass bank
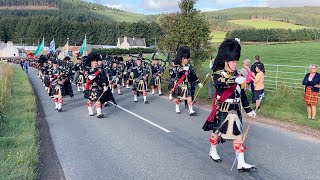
{"points": [[18, 134]]}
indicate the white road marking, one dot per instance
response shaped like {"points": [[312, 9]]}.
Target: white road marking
{"points": [[144, 119]]}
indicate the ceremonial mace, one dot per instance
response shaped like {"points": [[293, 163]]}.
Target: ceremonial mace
{"points": [[243, 140], [200, 88], [99, 99]]}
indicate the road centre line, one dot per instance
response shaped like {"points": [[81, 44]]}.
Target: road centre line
{"points": [[144, 119]]}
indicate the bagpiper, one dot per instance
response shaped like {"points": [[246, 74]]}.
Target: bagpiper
{"points": [[173, 78], [121, 68], [114, 79], [186, 78], [60, 85], [48, 75], [129, 75], [96, 85], [225, 119], [79, 78], [140, 79], [157, 71]]}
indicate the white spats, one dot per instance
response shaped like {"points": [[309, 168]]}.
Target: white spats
{"points": [[112, 90], [191, 111], [160, 92], [135, 98], [90, 111], [144, 98], [241, 163], [213, 153], [99, 111], [79, 88], [57, 105], [170, 97], [178, 109], [127, 86], [119, 91], [153, 92]]}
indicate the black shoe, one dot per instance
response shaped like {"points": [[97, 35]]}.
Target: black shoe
{"points": [[193, 114], [161, 94], [55, 108], [252, 169], [216, 160], [146, 102], [100, 116], [59, 110], [91, 114]]}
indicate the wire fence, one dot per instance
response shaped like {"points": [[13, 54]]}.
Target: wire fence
{"points": [[285, 75]]}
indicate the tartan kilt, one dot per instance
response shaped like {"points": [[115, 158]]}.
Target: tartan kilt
{"points": [[310, 98]]}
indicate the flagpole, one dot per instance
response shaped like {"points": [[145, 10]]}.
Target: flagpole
{"points": [[43, 44], [85, 36], [68, 47]]}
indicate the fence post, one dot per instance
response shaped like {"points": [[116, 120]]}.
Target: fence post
{"points": [[305, 70], [277, 77]]}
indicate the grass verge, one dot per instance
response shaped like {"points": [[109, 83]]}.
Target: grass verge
{"points": [[18, 134]]}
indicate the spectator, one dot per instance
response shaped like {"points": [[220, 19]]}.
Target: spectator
{"points": [[312, 85], [253, 69], [21, 64], [245, 71], [258, 81], [26, 66]]}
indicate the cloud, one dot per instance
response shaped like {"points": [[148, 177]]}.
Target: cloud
{"points": [[290, 3], [159, 5], [208, 9]]}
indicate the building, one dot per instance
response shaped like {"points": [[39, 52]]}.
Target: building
{"points": [[126, 43], [8, 50], [23, 49]]}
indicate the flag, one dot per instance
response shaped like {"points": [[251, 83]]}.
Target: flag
{"points": [[52, 48], [64, 51], [83, 47], [39, 48]]}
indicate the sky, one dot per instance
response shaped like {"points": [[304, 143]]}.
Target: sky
{"points": [[163, 6]]}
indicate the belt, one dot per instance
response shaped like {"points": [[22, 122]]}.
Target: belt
{"points": [[236, 100]]}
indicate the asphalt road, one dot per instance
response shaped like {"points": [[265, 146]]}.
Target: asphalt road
{"points": [[127, 146]]}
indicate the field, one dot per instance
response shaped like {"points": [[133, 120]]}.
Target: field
{"points": [[218, 36], [266, 24]]}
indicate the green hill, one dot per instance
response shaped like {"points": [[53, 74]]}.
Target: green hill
{"points": [[306, 16], [75, 6]]}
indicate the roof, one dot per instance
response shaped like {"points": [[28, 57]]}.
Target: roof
{"points": [[134, 41]]}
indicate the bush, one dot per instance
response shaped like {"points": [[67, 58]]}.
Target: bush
{"points": [[274, 35], [124, 51]]}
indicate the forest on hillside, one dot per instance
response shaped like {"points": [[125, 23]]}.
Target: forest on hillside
{"points": [[30, 29], [61, 4]]}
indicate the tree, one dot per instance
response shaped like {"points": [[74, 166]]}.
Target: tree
{"points": [[188, 27]]}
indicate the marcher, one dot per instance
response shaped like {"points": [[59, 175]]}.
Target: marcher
{"points": [[225, 119]]}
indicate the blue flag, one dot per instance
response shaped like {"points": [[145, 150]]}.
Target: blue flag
{"points": [[52, 48]]}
